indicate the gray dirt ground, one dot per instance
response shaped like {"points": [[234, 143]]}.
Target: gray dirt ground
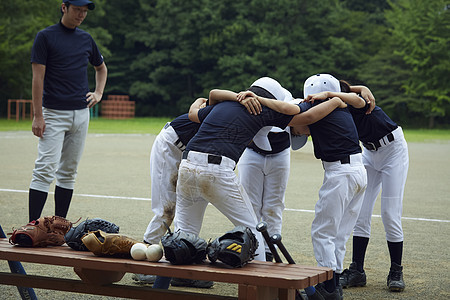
{"points": [[114, 184]]}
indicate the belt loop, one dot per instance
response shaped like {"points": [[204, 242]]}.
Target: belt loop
{"points": [[167, 125], [185, 154]]}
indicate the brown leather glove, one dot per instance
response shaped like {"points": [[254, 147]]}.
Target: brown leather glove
{"points": [[108, 244], [43, 232]]}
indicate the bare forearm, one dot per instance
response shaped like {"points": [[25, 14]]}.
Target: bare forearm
{"points": [[279, 106], [316, 113], [101, 75], [349, 98], [216, 96]]}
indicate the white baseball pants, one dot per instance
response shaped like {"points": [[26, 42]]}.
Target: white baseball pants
{"points": [[387, 169], [200, 183], [264, 178], [60, 149], [165, 158], [336, 211]]}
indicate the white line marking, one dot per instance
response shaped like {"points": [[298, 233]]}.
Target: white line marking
{"points": [[149, 199]]}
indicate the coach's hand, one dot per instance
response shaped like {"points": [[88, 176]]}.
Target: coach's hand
{"points": [[38, 126], [93, 98]]}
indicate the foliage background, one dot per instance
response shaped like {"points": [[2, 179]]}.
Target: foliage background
{"points": [[166, 53]]}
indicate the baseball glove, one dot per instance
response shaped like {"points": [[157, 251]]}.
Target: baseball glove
{"points": [[235, 248], [73, 237], [182, 248], [43, 232]]}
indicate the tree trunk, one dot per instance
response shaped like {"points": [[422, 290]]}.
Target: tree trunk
{"points": [[431, 122]]}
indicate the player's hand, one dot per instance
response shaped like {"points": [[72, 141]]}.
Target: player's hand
{"points": [[242, 95], [370, 99], [38, 126], [252, 104], [93, 98], [319, 96]]}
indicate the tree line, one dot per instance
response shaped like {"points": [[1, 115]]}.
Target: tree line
{"points": [[166, 53]]}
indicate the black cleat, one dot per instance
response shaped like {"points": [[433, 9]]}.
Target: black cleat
{"points": [[395, 278], [352, 277]]}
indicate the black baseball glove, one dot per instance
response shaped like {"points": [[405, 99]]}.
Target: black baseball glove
{"points": [[182, 248], [235, 248], [73, 237]]}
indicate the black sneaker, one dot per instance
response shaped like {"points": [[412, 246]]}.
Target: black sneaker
{"points": [[202, 284], [144, 279], [322, 293], [395, 278], [352, 277]]}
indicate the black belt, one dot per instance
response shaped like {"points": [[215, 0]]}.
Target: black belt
{"points": [[375, 145], [212, 159], [344, 160]]}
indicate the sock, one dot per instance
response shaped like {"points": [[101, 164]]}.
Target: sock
{"points": [[330, 285], [396, 252], [359, 251], [310, 290], [62, 201], [36, 201]]}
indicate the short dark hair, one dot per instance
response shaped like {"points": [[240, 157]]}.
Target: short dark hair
{"points": [[67, 4], [345, 86], [259, 91]]}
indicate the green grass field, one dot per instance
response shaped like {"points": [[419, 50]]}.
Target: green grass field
{"points": [[154, 125]]}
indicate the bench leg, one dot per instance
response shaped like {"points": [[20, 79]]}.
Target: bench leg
{"points": [[99, 277], [16, 267], [251, 292]]}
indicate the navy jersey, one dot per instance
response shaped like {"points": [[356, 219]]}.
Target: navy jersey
{"points": [[374, 126], [185, 128], [335, 136], [65, 53], [229, 128], [278, 141]]}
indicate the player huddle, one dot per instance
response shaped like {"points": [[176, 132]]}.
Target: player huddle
{"points": [[254, 130], [194, 157]]}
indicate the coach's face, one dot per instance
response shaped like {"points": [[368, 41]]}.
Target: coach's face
{"points": [[73, 15]]}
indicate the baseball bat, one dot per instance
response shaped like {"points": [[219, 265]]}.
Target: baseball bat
{"points": [[16, 267], [262, 227], [276, 239]]}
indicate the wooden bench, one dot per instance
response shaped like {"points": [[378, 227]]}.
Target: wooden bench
{"points": [[256, 281]]}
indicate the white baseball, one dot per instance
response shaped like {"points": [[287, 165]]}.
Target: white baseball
{"points": [[154, 252], [138, 251]]}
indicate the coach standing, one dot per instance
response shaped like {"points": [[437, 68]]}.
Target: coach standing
{"points": [[61, 102]]}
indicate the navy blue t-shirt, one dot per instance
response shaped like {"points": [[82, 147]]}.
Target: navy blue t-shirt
{"points": [[374, 126], [278, 141], [65, 53], [335, 136], [229, 128], [185, 128]]}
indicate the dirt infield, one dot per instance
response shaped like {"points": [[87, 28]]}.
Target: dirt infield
{"points": [[113, 183]]}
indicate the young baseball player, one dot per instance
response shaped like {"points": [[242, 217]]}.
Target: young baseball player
{"points": [[165, 157], [385, 157], [264, 174], [61, 102], [335, 141]]}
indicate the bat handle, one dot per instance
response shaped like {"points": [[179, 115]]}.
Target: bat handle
{"points": [[276, 239], [262, 227]]}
